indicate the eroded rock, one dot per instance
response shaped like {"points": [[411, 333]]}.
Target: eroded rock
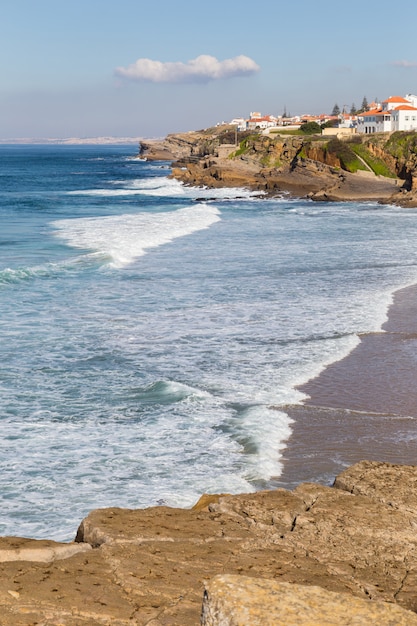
{"points": [[243, 601], [149, 566], [41, 551]]}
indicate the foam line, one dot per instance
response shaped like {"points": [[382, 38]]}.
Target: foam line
{"points": [[127, 237]]}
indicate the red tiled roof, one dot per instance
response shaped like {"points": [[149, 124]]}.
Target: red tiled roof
{"points": [[396, 99], [405, 107], [373, 113], [260, 119]]}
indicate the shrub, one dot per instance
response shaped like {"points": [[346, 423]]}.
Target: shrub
{"points": [[310, 128]]}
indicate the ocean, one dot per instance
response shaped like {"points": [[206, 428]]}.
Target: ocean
{"points": [[152, 335]]}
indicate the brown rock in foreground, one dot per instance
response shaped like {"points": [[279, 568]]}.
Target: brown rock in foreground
{"points": [[242, 601], [149, 566]]}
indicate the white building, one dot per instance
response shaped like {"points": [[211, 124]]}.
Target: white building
{"points": [[374, 122], [404, 117], [412, 99], [346, 120], [261, 122], [397, 113], [393, 102], [240, 122]]}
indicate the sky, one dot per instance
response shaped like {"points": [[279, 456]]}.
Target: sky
{"points": [[130, 68]]}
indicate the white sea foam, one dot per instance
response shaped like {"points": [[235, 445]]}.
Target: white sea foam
{"points": [[149, 386], [266, 430], [162, 186], [10, 276], [106, 192], [15, 275], [169, 392], [127, 237]]}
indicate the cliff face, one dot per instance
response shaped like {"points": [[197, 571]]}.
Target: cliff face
{"points": [[149, 566], [196, 144], [284, 164], [402, 148], [375, 167]]}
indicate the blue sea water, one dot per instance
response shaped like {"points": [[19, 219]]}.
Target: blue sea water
{"points": [[148, 328]]}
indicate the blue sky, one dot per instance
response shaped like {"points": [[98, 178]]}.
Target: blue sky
{"points": [[89, 68]]}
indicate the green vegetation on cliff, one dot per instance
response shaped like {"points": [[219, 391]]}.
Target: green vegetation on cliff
{"points": [[352, 155], [270, 161], [310, 128], [402, 145], [399, 151], [244, 146], [377, 165], [349, 161], [385, 155]]}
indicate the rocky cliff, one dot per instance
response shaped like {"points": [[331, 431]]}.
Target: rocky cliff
{"points": [[380, 168], [197, 143], [317, 546]]}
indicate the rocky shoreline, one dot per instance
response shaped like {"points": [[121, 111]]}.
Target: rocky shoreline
{"points": [[283, 164], [324, 555], [313, 555]]}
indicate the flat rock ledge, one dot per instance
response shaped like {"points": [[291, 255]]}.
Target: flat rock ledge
{"points": [[315, 552], [242, 601]]}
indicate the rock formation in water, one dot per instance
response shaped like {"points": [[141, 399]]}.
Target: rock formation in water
{"points": [[356, 540]]}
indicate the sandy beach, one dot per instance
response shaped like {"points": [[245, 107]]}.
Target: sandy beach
{"points": [[362, 407]]}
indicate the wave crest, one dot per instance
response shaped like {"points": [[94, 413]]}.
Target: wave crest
{"points": [[126, 237]]}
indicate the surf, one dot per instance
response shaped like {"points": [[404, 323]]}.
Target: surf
{"points": [[127, 237]]}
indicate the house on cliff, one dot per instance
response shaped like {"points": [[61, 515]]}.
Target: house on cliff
{"points": [[240, 122], [374, 121], [404, 117], [347, 120], [257, 121], [396, 113]]}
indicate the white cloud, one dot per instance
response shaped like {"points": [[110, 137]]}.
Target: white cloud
{"points": [[202, 69], [406, 64]]}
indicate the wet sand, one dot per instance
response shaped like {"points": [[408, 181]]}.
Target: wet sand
{"points": [[362, 407]]}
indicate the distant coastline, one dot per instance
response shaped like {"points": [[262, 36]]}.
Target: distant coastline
{"points": [[73, 141]]}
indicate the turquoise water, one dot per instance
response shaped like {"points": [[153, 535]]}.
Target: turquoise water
{"points": [[147, 328]]}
